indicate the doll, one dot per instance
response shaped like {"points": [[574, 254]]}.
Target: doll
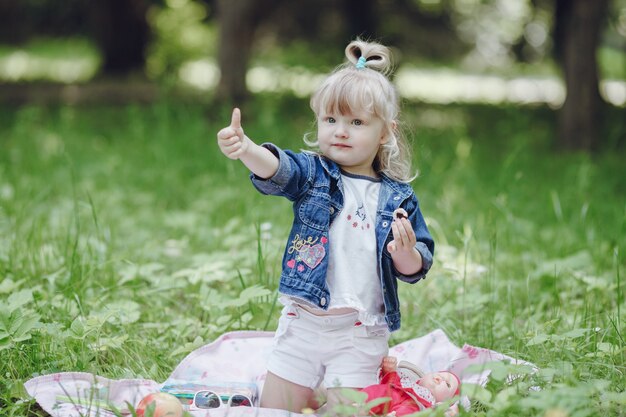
{"points": [[410, 390]]}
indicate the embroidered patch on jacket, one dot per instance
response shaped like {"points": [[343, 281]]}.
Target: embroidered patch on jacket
{"points": [[307, 251], [312, 255]]}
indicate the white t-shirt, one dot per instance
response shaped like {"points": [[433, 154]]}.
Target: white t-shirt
{"points": [[352, 275]]}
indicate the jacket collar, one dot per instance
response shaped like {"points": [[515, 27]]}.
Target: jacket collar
{"points": [[399, 187], [331, 167]]}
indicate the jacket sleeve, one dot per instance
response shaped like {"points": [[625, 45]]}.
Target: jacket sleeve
{"points": [[294, 174], [424, 244]]}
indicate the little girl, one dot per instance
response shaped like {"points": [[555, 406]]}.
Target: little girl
{"points": [[357, 229]]}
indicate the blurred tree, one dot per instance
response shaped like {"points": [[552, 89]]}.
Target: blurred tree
{"points": [[180, 33], [11, 19], [122, 33], [362, 18], [423, 29], [238, 22], [577, 30], [21, 20], [315, 21]]}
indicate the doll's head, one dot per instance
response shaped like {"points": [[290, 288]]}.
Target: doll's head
{"points": [[361, 86], [443, 385]]}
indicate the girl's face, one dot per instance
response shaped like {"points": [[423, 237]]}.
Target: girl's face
{"points": [[443, 385], [351, 140]]}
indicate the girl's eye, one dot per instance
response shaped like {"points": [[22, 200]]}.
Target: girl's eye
{"points": [[357, 122], [330, 120]]}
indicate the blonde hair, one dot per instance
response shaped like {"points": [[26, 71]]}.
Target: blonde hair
{"points": [[349, 89]]}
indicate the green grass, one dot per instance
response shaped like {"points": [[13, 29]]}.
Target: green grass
{"points": [[127, 240]]}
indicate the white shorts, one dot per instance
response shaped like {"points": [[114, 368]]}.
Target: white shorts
{"points": [[336, 349]]}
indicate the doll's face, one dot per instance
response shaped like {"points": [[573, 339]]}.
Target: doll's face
{"points": [[442, 385]]}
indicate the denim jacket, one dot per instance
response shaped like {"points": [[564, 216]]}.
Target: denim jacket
{"points": [[313, 183]]}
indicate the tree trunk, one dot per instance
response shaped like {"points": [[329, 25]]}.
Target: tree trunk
{"points": [[12, 28], [361, 19], [122, 33], [578, 25], [236, 32], [238, 22]]}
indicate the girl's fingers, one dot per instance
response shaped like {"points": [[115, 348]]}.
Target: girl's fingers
{"points": [[226, 133], [398, 242], [230, 141], [399, 232], [229, 148], [408, 227], [233, 148], [236, 154], [403, 233]]}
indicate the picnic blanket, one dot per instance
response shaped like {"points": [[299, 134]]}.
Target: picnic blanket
{"points": [[234, 358]]}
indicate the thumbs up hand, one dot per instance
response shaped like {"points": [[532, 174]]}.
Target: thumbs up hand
{"points": [[232, 141], [236, 145]]}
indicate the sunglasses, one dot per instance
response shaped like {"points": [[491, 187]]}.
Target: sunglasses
{"points": [[208, 399]]}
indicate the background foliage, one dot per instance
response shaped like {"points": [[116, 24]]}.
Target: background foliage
{"points": [[127, 240], [478, 35]]}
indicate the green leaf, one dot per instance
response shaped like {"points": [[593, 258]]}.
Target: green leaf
{"points": [[476, 392], [248, 294], [503, 398], [354, 396], [18, 299], [254, 291], [52, 329], [223, 320], [564, 368], [538, 339], [572, 334], [122, 312], [607, 347], [7, 285], [5, 344], [618, 398], [78, 328], [499, 370], [188, 347], [375, 402], [345, 410], [23, 329], [547, 374], [115, 342], [576, 262]]}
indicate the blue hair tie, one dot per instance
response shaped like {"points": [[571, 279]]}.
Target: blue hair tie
{"points": [[360, 64]]}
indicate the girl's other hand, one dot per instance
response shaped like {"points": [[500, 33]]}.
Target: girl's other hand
{"points": [[403, 235], [406, 259], [232, 141]]}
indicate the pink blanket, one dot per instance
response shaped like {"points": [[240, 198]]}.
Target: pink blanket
{"points": [[238, 358]]}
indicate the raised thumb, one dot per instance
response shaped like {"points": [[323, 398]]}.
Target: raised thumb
{"points": [[235, 121]]}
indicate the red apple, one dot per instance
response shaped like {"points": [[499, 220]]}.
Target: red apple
{"points": [[165, 405]]}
